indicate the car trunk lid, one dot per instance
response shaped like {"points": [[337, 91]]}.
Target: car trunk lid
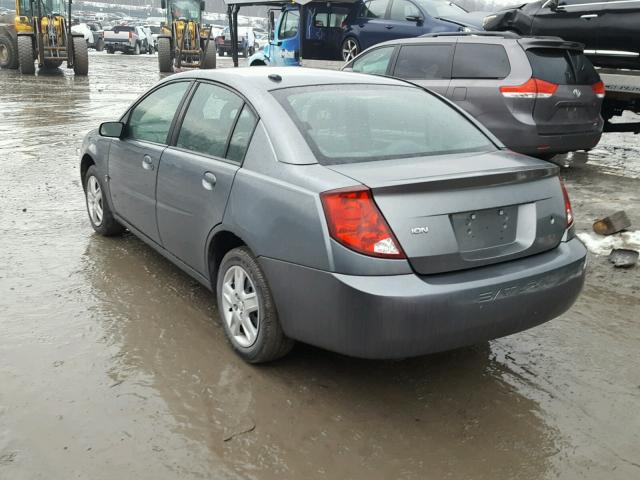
{"points": [[452, 212]]}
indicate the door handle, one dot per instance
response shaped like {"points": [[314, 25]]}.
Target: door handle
{"points": [[147, 163], [388, 27], [209, 181], [589, 16]]}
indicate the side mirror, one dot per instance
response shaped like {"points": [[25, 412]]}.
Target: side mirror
{"points": [[202, 5], [348, 69], [414, 18], [271, 25], [111, 129], [163, 4]]}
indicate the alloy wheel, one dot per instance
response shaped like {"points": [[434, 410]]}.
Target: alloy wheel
{"points": [[94, 201], [349, 50], [240, 306]]}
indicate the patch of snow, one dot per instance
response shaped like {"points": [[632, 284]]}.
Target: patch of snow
{"points": [[602, 245]]}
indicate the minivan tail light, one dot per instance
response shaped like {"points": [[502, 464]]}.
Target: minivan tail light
{"points": [[567, 204], [598, 89], [355, 221], [533, 88]]}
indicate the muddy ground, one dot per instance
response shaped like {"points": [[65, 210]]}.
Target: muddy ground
{"points": [[113, 363]]}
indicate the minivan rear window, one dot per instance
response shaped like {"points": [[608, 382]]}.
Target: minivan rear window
{"points": [[362, 123], [562, 67]]}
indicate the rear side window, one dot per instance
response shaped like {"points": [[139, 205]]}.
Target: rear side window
{"points": [[393, 121], [151, 119], [242, 135], [209, 120], [374, 62], [480, 61], [424, 62], [562, 67]]}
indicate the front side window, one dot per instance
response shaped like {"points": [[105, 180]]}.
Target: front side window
{"points": [[374, 62], [441, 8], [424, 62], [186, 9], [480, 61], [289, 25], [151, 119], [374, 9], [209, 119], [392, 121], [401, 9]]}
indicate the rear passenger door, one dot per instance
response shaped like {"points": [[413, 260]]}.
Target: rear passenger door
{"points": [[477, 71], [197, 170], [620, 27], [428, 65]]}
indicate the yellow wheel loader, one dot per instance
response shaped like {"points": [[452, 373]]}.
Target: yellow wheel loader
{"points": [[41, 33], [184, 41]]}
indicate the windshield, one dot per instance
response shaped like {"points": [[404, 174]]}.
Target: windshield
{"points": [[361, 123], [441, 8], [185, 9]]}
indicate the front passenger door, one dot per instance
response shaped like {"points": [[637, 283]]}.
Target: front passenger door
{"points": [[134, 159], [197, 172], [574, 20]]}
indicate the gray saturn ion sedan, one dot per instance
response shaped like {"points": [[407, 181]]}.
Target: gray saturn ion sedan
{"points": [[360, 214]]}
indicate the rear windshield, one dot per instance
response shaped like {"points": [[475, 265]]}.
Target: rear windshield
{"points": [[362, 123], [562, 67]]}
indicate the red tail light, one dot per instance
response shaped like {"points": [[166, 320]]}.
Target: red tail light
{"points": [[130, 35], [533, 88], [356, 222], [598, 89], [567, 205], [343, 25]]}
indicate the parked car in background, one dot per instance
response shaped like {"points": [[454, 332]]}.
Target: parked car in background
{"points": [[126, 39], [152, 32], [610, 30], [376, 21], [94, 38], [246, 42], [539, 96], [408, 231]]}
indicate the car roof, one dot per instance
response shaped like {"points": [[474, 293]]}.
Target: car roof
{"points": [[257, 80], [487, 37]]}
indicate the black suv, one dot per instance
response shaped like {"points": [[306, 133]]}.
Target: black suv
{"points": [[610, 30]]}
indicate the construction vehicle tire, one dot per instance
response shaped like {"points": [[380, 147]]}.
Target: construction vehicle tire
{"points": [[208, 61], [80, 56], [8, 53], [165, 62], [25, 55]]}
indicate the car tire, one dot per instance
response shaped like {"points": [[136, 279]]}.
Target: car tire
{"points": [[263, 340], [136, 49], [100, 45], [165, 62], [350, 49], [8, 53], [25, 55], [98, 209]]}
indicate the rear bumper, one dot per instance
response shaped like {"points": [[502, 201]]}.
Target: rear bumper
{"points": [[409, 315], [526, 139]]}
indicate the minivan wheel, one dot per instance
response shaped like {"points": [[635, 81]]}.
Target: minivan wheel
{"points": [[98, 209], [350, 49], [247, 310]]}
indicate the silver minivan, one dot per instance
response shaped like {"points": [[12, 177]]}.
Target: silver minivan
{"points": [[540, 96]]}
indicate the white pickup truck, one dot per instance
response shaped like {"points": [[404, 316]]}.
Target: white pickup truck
{"points": [[127, 39]]}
